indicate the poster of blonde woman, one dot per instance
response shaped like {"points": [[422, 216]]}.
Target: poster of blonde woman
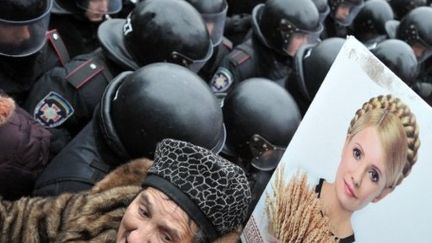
{"points": [[358, 168]]}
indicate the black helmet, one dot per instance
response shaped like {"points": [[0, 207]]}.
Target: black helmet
{"points": [[323, 9], [158, 31], [258, 106], [214, 14], [369, 24], [416, 29], [278, 22], [80, 6], [158, 101], [23, 26], [402, 7], [399, 57], [312, 64], [344, 11]]}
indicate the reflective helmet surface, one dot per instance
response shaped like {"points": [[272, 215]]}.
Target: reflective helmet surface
{"points": [[279, 21], [313, 63], [402, 7], [370, 21], [165, 100], [214, 14], [261, 107], [352, 8], [416, 29], [166, 30], [23, 25], [399, 57]]}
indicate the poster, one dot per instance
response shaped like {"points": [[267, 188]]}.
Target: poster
{"points": [[316, 150]]}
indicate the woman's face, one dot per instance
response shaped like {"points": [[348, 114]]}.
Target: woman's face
{"points": [[361, 176], [153, 217]]}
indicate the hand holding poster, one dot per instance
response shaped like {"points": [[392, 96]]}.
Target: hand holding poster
{"points": [[362, 148]]}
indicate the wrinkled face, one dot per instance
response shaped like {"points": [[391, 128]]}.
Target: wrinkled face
{"points": [[342, 12], [153, 217], [96, 10], [361, 176], [297, 40]]}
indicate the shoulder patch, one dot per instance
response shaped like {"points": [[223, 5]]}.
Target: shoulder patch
{"points": [[221, 80], [52, 110]]}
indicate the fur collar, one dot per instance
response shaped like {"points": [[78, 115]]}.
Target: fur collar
{"points": [[7, 108]]}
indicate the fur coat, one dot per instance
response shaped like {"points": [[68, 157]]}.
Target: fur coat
{"points": [[89, 216]]}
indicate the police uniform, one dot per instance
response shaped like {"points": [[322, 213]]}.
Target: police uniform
{"points": [[134, 114], [65, 97], [250, 59], [19, 74]]}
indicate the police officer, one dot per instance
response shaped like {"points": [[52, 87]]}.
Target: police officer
{"points": [[27, 50], [214, 14], [77, 22], [279, 28], [155, 31], [369, 25], [311, 65], [342, 13], [261, 118], [137, 110]]}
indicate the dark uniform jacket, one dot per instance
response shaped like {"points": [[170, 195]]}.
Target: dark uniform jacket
{"points": [[18, 74], [24, 147], [94, 152], [219, 52], [247, 60], [65, 97]]}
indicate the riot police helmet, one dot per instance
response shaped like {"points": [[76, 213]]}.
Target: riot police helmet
{"points": [[214, 14], [259, 112], [344, 11], [417, 31], [162, 100], [370, 22], [312, 64], [399, 57], [23, 26], [284, 26], [158, 31]]}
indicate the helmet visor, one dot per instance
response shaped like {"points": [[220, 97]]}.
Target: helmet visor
{"points": [[23, 38], [215, 25], [300, 38], [100, 6], [346, 12], [266, 156], [193, 65]]}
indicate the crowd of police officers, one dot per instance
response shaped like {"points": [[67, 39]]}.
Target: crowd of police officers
{"points": [[87, 85]]}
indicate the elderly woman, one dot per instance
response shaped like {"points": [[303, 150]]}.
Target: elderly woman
{"points": [[188, 194]]}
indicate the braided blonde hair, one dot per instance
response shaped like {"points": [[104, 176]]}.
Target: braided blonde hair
{"points": [[398, 131]]}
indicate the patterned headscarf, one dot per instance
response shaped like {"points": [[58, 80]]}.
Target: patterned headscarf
{"points": [[213, 191]]}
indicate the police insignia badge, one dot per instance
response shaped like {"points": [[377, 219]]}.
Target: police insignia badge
{"points": [[221, 81], [52, 110]]}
